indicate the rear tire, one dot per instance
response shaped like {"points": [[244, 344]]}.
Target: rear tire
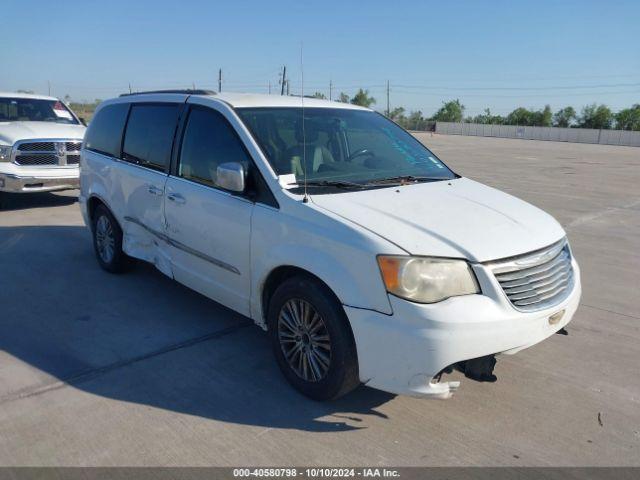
{"points": [[311, 339], [107, 242]]}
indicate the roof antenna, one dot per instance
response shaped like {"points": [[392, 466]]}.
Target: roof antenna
{"points": [[305, 199]]}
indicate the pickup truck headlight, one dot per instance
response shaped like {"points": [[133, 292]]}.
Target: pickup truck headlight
{"points": [[425, 279], [5, 153]]}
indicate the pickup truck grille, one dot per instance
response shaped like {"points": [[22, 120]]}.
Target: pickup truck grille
{"points": [[47, 153], [37, 160], [536, 280], [37, 146]]}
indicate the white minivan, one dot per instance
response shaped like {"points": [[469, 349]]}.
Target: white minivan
{"points": [[365, 257]]}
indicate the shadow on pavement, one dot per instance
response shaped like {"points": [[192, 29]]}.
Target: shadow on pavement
{"points": [[142, 338], [20, 201]]}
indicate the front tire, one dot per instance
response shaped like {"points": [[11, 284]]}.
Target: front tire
{"points": [[107, 242], [312, 339]]}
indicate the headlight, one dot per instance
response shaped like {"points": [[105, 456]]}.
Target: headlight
{"points": [[5, 153], [426, 280]]}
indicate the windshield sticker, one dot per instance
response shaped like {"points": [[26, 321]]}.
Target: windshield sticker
{"points": [[436, 162], [410, 154], [61, 112], [288, 180]]}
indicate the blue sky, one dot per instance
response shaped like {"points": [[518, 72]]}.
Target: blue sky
{"points": [[498, 54]]}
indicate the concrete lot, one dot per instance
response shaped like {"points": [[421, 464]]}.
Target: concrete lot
{"points": [[97, 369]]}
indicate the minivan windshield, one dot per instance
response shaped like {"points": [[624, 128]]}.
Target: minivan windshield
{"points": [[342, 148], [34, 110]]}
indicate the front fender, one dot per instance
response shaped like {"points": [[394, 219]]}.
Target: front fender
{"points": [[343, 258]]}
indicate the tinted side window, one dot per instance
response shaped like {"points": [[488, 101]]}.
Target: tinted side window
{"points": [[208, 141], [104, 134], [149, 135]]}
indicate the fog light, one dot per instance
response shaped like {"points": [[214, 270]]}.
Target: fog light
{"points": [[556, 317]]}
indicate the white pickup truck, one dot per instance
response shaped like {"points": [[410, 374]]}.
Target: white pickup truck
{"points": [[40, 142]]}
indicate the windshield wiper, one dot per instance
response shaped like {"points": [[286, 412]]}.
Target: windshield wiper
{"points": [[329, 183], [406, 178]]}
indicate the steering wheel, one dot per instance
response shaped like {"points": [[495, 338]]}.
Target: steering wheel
{"points": [[360, 153]]}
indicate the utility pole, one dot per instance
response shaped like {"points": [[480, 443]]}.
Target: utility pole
{"points": [[129, 87], [219, 80], [287, 87], [388, 109], [49, 87], [269, 87], [330, 88], [284, 79], [193, 85]]}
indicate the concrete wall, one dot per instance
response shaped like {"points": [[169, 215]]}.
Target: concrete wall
{"points": [[577, 135]]}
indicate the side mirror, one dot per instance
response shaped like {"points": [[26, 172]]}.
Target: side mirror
{"points": [[231, 176]]}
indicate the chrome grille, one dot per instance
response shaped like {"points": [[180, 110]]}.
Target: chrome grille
{"points": [[73, 146], [37, 146], [45, 152], [37, 160], [538, 279]]}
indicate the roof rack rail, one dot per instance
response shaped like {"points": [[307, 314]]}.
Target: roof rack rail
{"points": [[188, 91]]}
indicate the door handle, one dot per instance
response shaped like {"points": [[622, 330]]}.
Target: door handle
{"points": [[177, 198], [153, 190]]}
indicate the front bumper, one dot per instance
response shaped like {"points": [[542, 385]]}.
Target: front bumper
{"points": [[403, 352], [28, 183]]}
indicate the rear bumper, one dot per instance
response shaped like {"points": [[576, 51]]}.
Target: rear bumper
{"points": [[403, 352], [24, 184]]}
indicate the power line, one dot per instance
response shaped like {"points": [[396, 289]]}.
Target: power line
{"points": [[523, 95], [559, 87]]}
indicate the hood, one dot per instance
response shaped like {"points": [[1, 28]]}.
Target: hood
{"points": [[11, 132], [458, 218]]}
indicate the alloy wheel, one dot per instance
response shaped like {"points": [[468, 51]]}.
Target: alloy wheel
{"points": [[304, 340], [105, 240]]}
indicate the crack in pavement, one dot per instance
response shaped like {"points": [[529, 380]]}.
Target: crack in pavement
{"points": [[92, 373], [589, 217], [610, 311]]}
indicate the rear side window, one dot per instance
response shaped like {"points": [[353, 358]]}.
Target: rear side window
{"points": [[208, 141], [149, 135], [104, 134]]}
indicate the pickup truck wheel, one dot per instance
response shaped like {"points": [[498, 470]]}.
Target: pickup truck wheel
{"points": [[107, 242], [312, 340]]}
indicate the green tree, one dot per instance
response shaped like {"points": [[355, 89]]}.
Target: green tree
{"points": [[343, 97], [415, 121], [596, 116], [628, 118], [363, 99], [544, 117], [319, 95], [451, 111], [483, 117], [564, 117], [487, 118], [533, 118], [396, 114], [520, 116]]}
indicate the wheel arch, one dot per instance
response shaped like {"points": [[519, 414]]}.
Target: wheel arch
{"points": [[92, 204], [280, 274]]}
